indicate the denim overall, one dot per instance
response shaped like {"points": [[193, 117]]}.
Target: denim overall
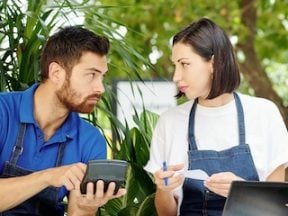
{"points": [[45, 202], [198, 200]]}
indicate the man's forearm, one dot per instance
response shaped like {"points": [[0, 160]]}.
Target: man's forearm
{"points": [[16, 190]]}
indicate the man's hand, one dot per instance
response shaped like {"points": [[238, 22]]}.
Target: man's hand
{"points": [[220, 183], [69, 176], [88, 204]]}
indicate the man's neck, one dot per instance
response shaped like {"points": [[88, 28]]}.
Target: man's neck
{"points": [[47, 112]]}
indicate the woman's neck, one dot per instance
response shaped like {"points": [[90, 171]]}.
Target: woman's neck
{"points": [[216, 102]]}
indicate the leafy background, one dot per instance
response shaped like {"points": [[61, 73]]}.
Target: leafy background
{"points": [[140, 33]]}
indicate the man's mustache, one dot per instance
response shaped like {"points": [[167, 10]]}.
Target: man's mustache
{"points": [[93, 96]]}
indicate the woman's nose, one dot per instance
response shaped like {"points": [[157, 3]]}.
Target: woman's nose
{"points": [[177, 75]]}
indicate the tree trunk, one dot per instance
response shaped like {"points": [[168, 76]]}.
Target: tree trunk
{"points": [[251, 68]]}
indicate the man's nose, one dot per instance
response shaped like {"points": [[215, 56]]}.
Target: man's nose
{"points": [[99, 86]]}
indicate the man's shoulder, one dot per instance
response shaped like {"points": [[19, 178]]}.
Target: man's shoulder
{"points": [[16, 96], [8, 99], [10, 95], [86, 127], [92, 136]]}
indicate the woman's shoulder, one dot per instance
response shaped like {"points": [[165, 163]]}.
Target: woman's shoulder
{"points": [[175, 116], [254, 100], [258, 104], [179, 110]]}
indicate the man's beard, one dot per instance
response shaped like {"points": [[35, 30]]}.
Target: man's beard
{"points": [[68, 97]]}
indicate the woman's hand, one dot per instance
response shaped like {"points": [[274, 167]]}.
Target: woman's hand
{"points": [[220, 183], [174, 178]]}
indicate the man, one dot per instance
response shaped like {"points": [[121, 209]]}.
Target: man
{"points": [[44, 144]]}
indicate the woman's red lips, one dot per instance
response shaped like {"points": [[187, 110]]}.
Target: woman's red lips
{"points": [[183, 88]]}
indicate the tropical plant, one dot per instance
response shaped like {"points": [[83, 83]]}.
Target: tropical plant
{"points": [[22, 34], [135, 35], [132, 145]]}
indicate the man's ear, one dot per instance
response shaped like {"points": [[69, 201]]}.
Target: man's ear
{"points": [[56, 73]]}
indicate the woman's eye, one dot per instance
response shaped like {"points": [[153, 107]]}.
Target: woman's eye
{"points": [[184, 64]]}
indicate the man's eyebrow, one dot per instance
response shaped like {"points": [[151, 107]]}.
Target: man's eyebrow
{"points": [[94, 69]]}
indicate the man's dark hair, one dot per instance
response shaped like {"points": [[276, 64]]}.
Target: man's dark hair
{"points": [[67, 46], [209, 40]]}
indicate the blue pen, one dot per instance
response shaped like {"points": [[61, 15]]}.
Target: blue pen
{"points": [[165, 169]]}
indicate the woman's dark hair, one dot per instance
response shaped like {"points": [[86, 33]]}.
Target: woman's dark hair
{"points": [[207, 40], [67, 46]]}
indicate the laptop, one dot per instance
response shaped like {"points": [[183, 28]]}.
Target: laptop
{"points": [[253, 198]]}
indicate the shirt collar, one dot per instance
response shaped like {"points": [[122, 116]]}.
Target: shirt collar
{"points": [[66, 130], [27, 105]]}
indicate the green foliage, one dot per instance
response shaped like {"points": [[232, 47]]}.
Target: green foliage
{"points": [[22, 35], [137, 29], [23, 32], [132, 145], [151, 25]]}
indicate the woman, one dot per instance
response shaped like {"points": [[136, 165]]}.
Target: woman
{"points": [[228, 135]]}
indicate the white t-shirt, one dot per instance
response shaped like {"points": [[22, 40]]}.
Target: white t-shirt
{"points": [[216, 128]]}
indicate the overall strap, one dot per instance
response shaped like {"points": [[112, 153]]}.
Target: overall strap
{"points": [[241, 121], [60, 154], [18, 147], [191, 127]]}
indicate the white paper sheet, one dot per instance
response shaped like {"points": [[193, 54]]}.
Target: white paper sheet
{"points": [[196, 174]]}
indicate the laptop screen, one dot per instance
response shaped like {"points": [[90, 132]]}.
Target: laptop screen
{"points": [[252, 198]]}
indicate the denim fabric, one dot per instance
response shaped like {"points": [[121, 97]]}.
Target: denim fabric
{"points": [[45, 202], [198, 200]]}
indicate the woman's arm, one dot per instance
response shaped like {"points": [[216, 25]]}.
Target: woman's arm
{"points": [[278, 174], [165, 202]]}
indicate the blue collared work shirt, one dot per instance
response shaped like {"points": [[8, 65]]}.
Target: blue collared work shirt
{"points": [[83, 141]]}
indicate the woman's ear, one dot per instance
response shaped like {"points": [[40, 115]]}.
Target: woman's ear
{"points": [[56, 73], [212, 64]]}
